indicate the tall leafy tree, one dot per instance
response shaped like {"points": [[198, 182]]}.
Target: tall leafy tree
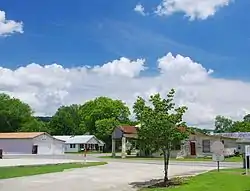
{"points": [[13, 113], [246, 118], [35, 125], [104, 129], [241, 126], [67, 121], [159, 124], [103, 108], [223, 124]]}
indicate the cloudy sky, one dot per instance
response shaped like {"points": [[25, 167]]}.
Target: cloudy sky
{"points": [[54, 53]]}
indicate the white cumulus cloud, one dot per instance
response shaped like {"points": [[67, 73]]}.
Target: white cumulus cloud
{"points": [[140, 9], [122, 67], [46, 88], [194, 9], [8, 27]]}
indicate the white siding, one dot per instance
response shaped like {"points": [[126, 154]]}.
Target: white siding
{"points": [[72, 150], [47, 145], [93, 141]]}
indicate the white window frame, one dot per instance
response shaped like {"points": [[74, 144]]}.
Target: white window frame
{"points": [[206, 144]]}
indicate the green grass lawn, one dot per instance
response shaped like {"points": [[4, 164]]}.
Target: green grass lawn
{"points": [[225, 180], [18, 171], [231, 159]]}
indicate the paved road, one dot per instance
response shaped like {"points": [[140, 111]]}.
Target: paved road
{"points": [[115, 176], [94, 157]]}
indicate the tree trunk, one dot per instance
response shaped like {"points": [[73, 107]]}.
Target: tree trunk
{"points": [[166, 153], [166, 163]]}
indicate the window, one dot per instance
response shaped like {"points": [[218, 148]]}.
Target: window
{"points": [[43, 138], [206, 146], [81, 146], [72, 146]]}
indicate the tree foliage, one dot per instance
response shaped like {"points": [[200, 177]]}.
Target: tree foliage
{"points": [[35, 125], [159, 124], [103, 108], [195, 129], [226, 125], [104, 129], [13, 113], [223, 124], [246, 118], [66, 121]]}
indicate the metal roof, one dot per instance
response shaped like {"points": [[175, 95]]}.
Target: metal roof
{"points": [[62, 137], [78, 139]]}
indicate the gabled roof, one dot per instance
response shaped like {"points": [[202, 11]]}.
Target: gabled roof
{"points": [[62, 137], [128, 129], [78, 139], [20, 135], [101, 142], [216, 136]]}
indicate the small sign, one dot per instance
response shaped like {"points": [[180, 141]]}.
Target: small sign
{"points": [[217, 148], [247, 150], [218, 158]]}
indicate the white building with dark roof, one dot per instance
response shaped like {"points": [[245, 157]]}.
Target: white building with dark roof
{"points": [[78, 143]]}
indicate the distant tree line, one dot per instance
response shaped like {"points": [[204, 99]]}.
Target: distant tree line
{"points": [[98, 116], [227, 125]]}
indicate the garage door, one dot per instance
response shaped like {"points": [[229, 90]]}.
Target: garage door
{"points": [[44, 149], [58, 149]]}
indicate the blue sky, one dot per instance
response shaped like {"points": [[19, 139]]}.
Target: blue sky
{"points": [[122, 39], [94, 31]]}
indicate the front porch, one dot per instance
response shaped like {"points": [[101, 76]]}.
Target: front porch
{"points": [[123, 133]]}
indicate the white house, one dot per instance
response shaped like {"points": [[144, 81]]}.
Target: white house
{"points": [[79, 142], [30, 143]]}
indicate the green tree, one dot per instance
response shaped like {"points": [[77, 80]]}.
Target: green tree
{"points": [[196, 129], [103, 108], [246, 118], [35, 125], [13, 113], [159, 124], [223, 124], [67, 121], [104, 129], [241, 126]]}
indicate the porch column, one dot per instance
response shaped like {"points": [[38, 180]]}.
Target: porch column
{"points": [[113, 147], [123, 147]]}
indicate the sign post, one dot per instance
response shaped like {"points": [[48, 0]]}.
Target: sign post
{"points": [[84, 151], [247, 155], [218, 153]]}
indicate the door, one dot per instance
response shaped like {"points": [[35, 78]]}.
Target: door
{"points": [[192, 148], [34, 149]]}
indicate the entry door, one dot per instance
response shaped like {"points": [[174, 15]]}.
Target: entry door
{"points": [[192, 148], [34, 149]]}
